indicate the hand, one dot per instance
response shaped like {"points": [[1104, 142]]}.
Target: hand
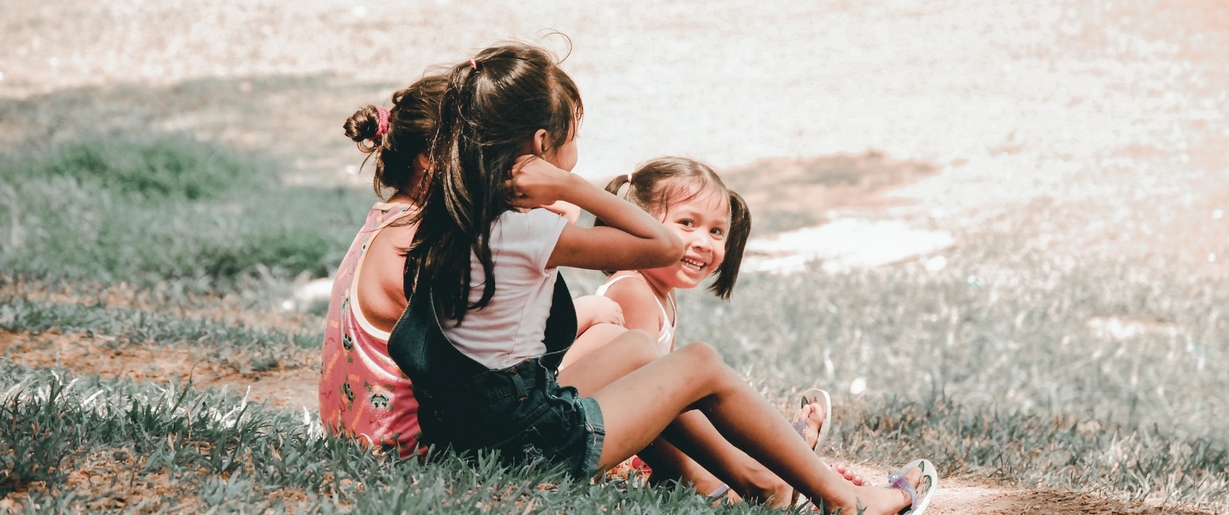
{"points": [[596, 309], [536, 183]]}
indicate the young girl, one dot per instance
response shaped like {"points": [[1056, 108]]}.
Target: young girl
{"points": [[714, 224], [489, 317], [363, 393]]}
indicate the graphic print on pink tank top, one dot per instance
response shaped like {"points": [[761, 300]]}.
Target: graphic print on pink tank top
{"points": [[363, 393]]}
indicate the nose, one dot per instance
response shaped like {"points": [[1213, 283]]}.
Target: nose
{"points": [[703, 241]]}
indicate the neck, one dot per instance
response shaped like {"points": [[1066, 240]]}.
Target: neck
{"points": [[401, 198], [662, 291]]}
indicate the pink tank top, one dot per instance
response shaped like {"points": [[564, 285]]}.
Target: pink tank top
{"points": [[363, 394]]}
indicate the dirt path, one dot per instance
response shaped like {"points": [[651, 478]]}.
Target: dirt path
{"points": [[1059, 98], [289, 382]]}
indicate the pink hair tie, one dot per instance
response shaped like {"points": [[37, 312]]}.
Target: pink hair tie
{"points": [[473, 64], [382, 128]]}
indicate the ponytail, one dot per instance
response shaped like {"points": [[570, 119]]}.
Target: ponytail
{"points": [[491, 108], [735, 243]]}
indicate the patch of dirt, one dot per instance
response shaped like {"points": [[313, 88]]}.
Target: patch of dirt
{"points": [[962, 496], [285, 381], [840, 181], [229, 309]]}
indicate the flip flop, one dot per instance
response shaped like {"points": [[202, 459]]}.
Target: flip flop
{"points": [[820, 397], [825, 403], [928, 486], [808, 396]]}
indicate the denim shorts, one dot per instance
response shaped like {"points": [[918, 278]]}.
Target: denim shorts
{"points": [[522, 412]]}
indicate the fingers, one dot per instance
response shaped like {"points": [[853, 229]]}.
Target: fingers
{"points": [[521, 162]]}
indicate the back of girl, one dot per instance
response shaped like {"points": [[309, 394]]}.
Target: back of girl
{"points": [[363, 394]]}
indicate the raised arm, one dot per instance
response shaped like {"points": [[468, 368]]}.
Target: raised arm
{"points": [[631, 239]]}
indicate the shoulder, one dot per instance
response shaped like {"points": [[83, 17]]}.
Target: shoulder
{"points": [[632, 293], [529, 225], [532, 218]]}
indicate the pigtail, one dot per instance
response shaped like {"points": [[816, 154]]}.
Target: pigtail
{"points": [[615, 186], [735, 243]]}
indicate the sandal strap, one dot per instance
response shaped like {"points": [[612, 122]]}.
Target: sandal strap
{"points": [[897, 480], [801, 427]]}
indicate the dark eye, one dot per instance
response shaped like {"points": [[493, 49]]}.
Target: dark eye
{"points": [[718, 232], [686, 223]]}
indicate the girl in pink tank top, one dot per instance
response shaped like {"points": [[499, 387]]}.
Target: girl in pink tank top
{"points": [[363, 393]]}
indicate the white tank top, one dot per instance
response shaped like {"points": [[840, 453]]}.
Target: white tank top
{"points": [[665, 336]]}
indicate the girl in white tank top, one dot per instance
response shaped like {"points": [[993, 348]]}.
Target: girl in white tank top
{"points": [[713, 222]]}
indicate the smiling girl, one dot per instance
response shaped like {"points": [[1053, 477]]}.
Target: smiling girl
{"points": [[689, 198]]}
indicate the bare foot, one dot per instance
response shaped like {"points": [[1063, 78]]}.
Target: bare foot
{"points": [[884, 501], [813, 414], [846, 473]]}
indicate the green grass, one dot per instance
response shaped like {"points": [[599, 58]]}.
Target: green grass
{"points": [[991, 368], [166, 209], [209, 450]]}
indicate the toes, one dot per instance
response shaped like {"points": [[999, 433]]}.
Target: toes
{"points": [[846, 473]]}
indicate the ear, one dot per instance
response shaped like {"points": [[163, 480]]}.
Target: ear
{"points": [[423, 162], [540, 142]]}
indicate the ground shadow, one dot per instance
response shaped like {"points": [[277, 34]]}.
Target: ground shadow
{"points": [[296, 119]]}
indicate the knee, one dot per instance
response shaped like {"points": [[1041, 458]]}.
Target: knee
{"points": [[640, 347], [700, 352]]}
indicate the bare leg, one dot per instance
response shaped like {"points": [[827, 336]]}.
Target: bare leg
{"points": [[592, 339], [630, 350], [647, 401]]}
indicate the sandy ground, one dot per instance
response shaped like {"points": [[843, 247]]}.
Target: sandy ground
{"points": [[1063, 100]]}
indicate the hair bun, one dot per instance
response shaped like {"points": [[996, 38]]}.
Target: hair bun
{"points": [[363, 125]]}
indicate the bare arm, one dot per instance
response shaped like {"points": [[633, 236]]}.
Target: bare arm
{"points": [[631, 240], [638, 303], [596, 309]]}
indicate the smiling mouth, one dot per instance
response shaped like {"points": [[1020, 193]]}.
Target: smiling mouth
{"points": [[694, 265]]}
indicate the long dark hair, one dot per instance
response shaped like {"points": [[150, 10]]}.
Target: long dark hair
{"points": [[662, 183], [491, 109], [412, 123]]}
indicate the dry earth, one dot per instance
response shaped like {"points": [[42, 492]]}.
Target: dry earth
{"points": [[1002, 104]]}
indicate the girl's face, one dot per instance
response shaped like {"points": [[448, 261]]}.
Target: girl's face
{"points": [[702, 223]]}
